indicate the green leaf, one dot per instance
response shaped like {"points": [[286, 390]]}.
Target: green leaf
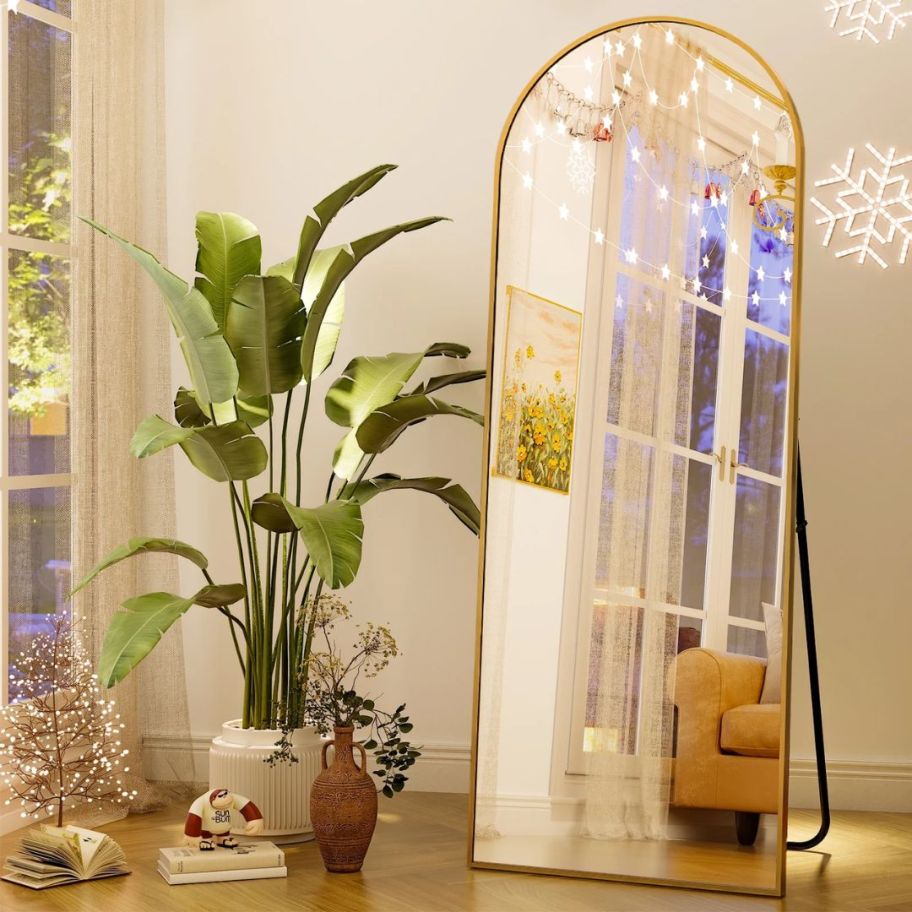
{"points": [[332, 534], [449, 350], [263, 326], [382, 428], [187, 411], [345, 260], [134, 630], [144, 545], [254, 410], [209, 359], [155, 434], [331, 325], [442, 380], [219, 596], [453, 495], [269, 512], [387, 791], [229, 249], [326, 210], [285, 269], [228, 452]]}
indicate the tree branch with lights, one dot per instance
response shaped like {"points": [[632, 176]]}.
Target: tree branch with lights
{"points": [[60, 744]]}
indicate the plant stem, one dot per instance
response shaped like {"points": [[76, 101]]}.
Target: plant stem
{"points": [[301, 443], [283, 474], [232, 495]]}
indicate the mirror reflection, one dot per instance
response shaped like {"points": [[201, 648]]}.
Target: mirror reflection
{"points": [[637, 542]]}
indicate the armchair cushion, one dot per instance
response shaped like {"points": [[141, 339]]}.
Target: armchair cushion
{"points": [[751, 730]]}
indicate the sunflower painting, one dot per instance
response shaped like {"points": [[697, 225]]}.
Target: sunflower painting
{"points": [[538, 400]]}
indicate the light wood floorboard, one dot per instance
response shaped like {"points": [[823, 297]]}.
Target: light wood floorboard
{"points": [[417, 864]]}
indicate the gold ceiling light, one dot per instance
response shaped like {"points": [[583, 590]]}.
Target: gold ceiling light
{"points": [[779, 218]]}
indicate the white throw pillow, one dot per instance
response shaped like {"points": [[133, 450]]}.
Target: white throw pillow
{"points": [[772, 682]]}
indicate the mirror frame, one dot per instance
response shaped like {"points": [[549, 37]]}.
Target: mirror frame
{"points": [[788, 545]]}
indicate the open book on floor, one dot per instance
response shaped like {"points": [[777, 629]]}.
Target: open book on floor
{"points": [[53, 856], [246, 855]]}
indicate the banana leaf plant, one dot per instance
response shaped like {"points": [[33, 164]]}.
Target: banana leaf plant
{"points": [[255, 343]]}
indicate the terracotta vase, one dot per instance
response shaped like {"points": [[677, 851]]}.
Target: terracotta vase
{"points": [[343, 806]]}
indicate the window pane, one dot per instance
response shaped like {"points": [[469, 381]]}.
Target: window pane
{"points": [[62, 7], [39, 363], [696, 534], [39, 563], [39, 129], [756, 551], [763, 403], [705, 260], [636, 356], [698, 370], [769, 292], [746, 641]]}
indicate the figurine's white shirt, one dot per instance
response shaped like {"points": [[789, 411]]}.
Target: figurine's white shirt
{"points": [[216, 820]]}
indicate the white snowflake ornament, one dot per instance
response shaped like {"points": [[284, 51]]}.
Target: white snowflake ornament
{"points": [[867, 18], [874, 208], [580, 169]]}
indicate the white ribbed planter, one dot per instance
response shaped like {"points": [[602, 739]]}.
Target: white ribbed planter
{"points": [[281, 791]]}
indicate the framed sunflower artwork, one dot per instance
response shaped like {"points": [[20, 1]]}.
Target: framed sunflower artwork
{"points": [[538, 394]]}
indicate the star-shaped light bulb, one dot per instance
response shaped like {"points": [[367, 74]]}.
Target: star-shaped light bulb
{"points": [[599, 236], [755, 298], [682, 99], [631, 256], [700, 64], [666, 272], [701, 144], [653, 97], [635, 153], [587, 93], [527, 145], [787, 275], [607, 47], [761, 274], [783, 298], [745, 168], [560, 126], [697, 285], [587, 64], [755, 138], [734, 245], [628, 79], [527, 180], [669, 37], [694, 208], [705, 261], [615, 98], [13, 6], [726, 294], [694, 85], [729, 85], [637, 41], [539, 129], [703, 233], [663, 193], [619, 48], [564, 212], [618, 302], [757, 102], [606, 120]]}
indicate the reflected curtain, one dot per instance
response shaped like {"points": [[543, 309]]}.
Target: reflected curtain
{"points": [[121, 342], [641, 529]]}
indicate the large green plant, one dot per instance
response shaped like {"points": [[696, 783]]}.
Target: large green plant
{"points": [[254, 345]]}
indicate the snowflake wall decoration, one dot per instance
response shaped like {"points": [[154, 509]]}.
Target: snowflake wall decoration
{"points": [[580, 169], [874, 208], [866, 18]]}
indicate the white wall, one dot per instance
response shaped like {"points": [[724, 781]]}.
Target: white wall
{"points": [[271, 104]]}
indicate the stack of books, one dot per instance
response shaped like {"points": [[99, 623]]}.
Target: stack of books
{"points": [[53, 856], [249, 861]]}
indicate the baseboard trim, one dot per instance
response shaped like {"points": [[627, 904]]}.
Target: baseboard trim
{"points": [[443, 767], [855, 785]]}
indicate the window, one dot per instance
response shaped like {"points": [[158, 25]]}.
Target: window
{"points": [[710, 424], [35, 258]]}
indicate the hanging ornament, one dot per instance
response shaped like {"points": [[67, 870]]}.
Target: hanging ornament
{"points": [[580, 169], [712, 190], [602, 134], [755, 196]]}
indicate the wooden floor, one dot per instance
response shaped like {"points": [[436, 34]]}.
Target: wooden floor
{"points": [[417, 864]]}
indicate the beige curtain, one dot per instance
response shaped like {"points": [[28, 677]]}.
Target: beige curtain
{"points": [[641, 531], [121, 346]]}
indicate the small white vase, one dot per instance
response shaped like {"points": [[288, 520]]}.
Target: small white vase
{"points": [[281, 790]]}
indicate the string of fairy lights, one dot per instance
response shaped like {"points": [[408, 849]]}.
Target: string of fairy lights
{"points": [[576, 115]]}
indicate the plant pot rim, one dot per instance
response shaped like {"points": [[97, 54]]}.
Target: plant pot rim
{"points": [[264, 738]]}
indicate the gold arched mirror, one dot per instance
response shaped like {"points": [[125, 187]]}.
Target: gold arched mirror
{"points": [[635, 589]]}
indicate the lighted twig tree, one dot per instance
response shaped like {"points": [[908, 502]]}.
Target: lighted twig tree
{"points": [[60, 742]]}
